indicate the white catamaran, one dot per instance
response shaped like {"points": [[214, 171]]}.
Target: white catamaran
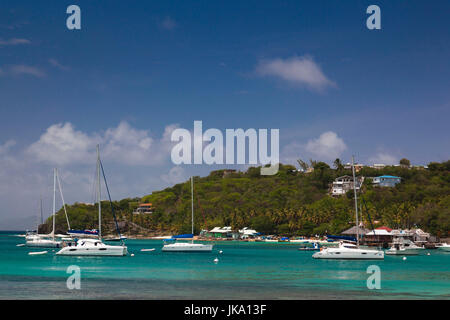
{"points": [[347, 250], [95, 247], [186, 246]]}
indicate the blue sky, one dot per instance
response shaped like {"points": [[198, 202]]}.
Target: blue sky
{"points": [[138, 69]]}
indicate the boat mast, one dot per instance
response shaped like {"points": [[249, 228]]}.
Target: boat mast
{"points": [[62, 198], [42, 217], [192, 206], [54, 203], [99, 195], [356, 201]]}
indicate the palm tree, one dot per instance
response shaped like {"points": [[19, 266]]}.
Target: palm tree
{"points": [[338, 164]]}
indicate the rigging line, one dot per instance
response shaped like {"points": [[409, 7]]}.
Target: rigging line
{"points": [[62, 198], [200, 208], [110, 201], [367, 210]]}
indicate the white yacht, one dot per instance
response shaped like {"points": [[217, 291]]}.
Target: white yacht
{"points": [[408, 244], [399, 248], [186, 246], [92, 247], [95, 247], [443, 246], [348, 250]]}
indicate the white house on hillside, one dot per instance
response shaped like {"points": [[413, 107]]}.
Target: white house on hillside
{"points": [[343, 184]]}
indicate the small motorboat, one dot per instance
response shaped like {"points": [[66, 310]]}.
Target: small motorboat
{"points": [[443, 246], [147, 250], [402, 247], [315, 247]]}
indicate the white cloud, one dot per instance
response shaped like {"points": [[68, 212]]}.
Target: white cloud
{"points": [[174, 176], [14, 42], [328, 146], [384, 158], [296, 70], [61, 144], [168, 23], [21, 69], [4, 148], [26, 172], [127, 145], [55, 63]]}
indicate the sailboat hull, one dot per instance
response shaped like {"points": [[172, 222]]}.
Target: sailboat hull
{"points": [[119, 252], [42, 243], [116, 251], [187, 247], [88, 247]]}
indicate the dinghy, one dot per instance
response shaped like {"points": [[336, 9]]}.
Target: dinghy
{"points": [[35, 253]]}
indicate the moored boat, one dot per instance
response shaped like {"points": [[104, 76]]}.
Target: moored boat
{"points": [[443, 246], [186, 246], [95, 247], [347, 250], [398, 248]]}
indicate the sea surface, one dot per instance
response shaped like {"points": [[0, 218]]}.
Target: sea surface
{"points": [[245, 270]]}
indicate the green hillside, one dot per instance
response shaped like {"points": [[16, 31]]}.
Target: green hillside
{"points": [[288, 203]]}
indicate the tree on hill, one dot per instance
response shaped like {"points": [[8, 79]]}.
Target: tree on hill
{"points": [[338, 164], [405, 162]]}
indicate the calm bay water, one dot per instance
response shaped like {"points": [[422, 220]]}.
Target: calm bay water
{"points": [[244, 271]]}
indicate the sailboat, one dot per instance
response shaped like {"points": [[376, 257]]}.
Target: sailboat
{"points": [[348, 250], [37, 240], [35, 233], [189, 246], [95, 247]]}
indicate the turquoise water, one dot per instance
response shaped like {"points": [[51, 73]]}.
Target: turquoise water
{"points": [[244, 271]]}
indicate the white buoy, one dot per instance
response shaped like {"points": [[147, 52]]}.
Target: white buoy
{"points": [[216, 260], [404, 258], [132, 254], [428, 254], [220, 251]]}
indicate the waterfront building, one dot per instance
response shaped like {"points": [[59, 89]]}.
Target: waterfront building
{"points": [[353, 231], [220, 232], [228, 233], [381, 236]]}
